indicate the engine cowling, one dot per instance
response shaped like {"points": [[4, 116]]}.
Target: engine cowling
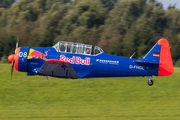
{"points": [[21, 59]]}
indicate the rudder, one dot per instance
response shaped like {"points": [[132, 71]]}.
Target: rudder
{"points": [[165, 61]]}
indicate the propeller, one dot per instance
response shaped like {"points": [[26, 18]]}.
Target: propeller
{"points": [[11, 59]]}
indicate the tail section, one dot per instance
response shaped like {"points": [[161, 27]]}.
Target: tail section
{"points": [[160, 54]]}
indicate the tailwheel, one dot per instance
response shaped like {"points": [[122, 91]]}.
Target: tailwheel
{"points": [[150, 82]]}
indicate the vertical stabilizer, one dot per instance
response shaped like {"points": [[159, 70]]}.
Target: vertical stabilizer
{"points": [[153, 55]]}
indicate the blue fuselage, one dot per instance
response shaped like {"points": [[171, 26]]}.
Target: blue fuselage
{"points": [[86, 66]]}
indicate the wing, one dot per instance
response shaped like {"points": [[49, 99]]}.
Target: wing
{"points": [[58, 68]]}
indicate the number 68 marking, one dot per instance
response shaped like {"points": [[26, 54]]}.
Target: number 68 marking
{"points": [[23, 54]]}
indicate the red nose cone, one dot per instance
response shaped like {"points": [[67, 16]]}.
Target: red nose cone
{"points": [[11, 58]]}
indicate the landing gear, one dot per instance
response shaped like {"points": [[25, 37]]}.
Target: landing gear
{"points": [[150, 82]]}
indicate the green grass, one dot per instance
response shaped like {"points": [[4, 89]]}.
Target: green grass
{"points": [[32, 97]]}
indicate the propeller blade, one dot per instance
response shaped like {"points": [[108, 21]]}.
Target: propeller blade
{"points": [[47, 78], [16, 46], [17, 43], [12, 67]]}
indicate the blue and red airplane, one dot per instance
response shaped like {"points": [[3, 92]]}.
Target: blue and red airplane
{"points": [[75, 60]]}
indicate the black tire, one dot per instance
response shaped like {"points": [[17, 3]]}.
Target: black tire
{"points": [[150, 82]]}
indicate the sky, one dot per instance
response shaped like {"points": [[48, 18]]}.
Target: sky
{"points": [[166, 3]]}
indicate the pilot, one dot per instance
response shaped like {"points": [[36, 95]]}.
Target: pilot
{"points": [[68, 50], [74, 49], [87, 51]]}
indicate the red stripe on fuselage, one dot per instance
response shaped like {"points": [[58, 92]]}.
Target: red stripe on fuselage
{"points": [[56, 61]]}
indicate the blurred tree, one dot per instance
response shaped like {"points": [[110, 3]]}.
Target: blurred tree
{"points": [[173, 20], [7, 44], [118, 26], [6, 3], [83, 16], [158, 21], [109, 4], [175, 48], [120, 20], [172, 6]]}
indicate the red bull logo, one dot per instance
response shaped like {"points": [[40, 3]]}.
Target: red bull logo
{"points": [[36, 54], [76, 60]]}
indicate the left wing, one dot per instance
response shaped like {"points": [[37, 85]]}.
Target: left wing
{"points": [[58, 68]]}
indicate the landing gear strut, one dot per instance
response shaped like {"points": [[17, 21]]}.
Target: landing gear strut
{"points": [[150, 82]]}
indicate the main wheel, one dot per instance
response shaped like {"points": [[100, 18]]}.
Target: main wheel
{"points": [[150, 82]]}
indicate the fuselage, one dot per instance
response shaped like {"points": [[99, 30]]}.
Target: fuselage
{"points": [[77, 60], [86, 66]]}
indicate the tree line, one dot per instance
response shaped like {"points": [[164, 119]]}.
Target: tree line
{"points": [[117, 26]]}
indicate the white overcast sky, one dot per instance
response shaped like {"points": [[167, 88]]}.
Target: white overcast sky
{"points": [[166, 3]]}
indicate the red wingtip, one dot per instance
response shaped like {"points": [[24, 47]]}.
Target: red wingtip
{"points": [[165, 62]]}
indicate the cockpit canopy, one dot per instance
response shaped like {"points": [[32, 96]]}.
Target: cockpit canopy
{"points": [[77, 48]]}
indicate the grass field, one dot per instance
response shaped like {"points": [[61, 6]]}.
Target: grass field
{"points": [[32, 97]]}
